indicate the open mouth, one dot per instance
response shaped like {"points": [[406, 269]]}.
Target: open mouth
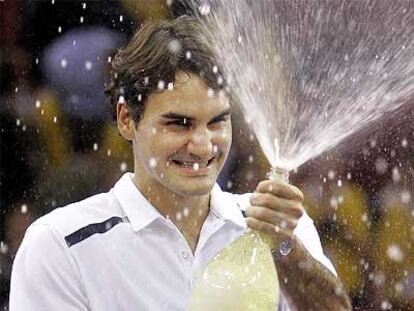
{"points": [[196, 165]]}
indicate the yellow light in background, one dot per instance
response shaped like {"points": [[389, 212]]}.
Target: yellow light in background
{"points": [[346, 262], [115, 146], [50, 122], [393, 245], [353, 213], [146, 9]]}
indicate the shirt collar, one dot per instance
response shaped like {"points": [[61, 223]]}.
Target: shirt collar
{"points": [[138, 209], [141, 212], [226, 207]]}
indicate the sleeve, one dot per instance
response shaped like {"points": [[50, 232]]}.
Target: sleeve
{"points": [[44, 275], [306, 232]]}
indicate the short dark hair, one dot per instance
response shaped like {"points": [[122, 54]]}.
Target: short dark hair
{"points": [[156, 51]]}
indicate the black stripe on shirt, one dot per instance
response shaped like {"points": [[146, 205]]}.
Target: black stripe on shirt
{"points": [[86, 232], [241, 210]]}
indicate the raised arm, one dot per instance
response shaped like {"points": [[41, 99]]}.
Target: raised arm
{"points": [[305, 280]]}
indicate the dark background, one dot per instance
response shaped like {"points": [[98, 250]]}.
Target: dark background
{"points": [[58, 145]]}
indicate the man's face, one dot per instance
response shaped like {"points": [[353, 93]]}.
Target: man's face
{"points": [[183, 138]]}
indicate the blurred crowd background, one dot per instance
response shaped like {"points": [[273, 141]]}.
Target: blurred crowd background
{"points": [[58, 145]]}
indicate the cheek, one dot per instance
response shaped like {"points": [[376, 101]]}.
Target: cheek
{"points": [[166, 145], [223, 139]]}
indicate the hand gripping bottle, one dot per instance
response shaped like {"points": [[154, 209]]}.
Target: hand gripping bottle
{"points": [[240, 277]]}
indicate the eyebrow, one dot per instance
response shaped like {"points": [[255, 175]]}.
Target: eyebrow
{"points": [[222, 114], [179, 116]]}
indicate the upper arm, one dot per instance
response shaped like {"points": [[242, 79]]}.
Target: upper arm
{"points": [[44, 275]]}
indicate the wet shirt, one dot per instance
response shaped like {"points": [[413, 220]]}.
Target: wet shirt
{"points": [[115, 251]]}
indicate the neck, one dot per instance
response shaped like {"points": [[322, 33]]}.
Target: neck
{"points": [[186, 212]]}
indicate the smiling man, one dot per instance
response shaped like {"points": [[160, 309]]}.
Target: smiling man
{"points": [[139, 246], [180, 146]]}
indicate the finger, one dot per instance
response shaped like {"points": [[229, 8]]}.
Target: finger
{"points": [[274, 231], [272, 217], [291, 207], [280, 189]]}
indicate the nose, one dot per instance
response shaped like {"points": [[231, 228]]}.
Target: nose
{"points": [[200, 143]]}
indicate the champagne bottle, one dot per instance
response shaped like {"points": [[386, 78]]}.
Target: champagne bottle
{"points": [[242, 276]]}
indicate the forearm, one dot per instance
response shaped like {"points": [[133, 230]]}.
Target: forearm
{"points": [[307, 284]]}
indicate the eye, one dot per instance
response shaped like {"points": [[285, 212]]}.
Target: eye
{"points": [[219, 119], [179, 122]]}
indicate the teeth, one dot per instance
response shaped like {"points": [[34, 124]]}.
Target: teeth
{"points": [[195, 165], [188, 164]]}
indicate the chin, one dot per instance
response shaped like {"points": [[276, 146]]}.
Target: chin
{"points": [[193, 188]]}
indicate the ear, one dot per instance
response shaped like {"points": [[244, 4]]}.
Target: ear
{"points": [[126, 124]]}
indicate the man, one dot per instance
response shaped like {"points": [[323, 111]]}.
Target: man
{"points": [[138, 246]]}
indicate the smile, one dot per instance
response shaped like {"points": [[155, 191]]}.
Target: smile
{"points": [[195, 165]]}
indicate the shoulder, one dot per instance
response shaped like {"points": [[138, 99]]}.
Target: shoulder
{"points": [[70, 218], [68, 225], [51, 233], [44, 258]]}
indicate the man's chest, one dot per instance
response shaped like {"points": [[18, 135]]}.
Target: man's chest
{"points": [[150, 270]]}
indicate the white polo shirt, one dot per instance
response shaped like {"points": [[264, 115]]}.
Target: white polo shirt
{"points": [[115, 251]]}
